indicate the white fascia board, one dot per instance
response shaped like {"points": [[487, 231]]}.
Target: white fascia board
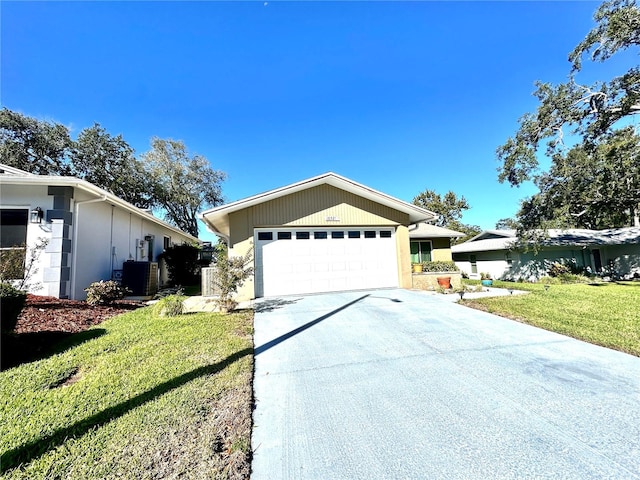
{"points": [[55, 181]]}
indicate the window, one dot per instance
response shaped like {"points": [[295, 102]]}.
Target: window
{"points": [[337, 234], [166, 243], [385, 234], [474, 263], [13, 227], [265, 235], [369, 234], [284, 235], [507, 257], [354, 234], [303, 235], [320, 235], [13, 239], [420, 251]]}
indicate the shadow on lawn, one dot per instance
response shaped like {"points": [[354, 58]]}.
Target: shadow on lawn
{"points": [[32, 450], [19, 348], [29, 451]]}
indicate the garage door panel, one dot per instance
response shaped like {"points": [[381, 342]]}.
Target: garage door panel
{"points": [[309, 264]]}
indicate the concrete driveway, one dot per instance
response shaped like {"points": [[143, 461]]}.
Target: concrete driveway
{"points": [[393, 384]]}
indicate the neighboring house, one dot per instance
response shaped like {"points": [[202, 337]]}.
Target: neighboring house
{"points": [[605, 252], [430, 243], [90, 232], [327, 233]]}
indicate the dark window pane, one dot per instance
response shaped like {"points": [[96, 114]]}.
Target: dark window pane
{"points": [[354, 234], [319, 235], [13, 227], [385, 234], [302, 235], [337, 234], [265, 235], [284, 235], [369, 234]]}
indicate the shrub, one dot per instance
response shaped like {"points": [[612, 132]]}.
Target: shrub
{"points": [[229, 275], [439, 266], [556, 269], [104, 292], [12, 302], [485, 276], [182, 264], [170, 306]]}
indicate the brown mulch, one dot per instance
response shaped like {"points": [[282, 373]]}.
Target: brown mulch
{"points": [[45, 321]]}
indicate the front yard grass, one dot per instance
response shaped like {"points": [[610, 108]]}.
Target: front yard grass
{"points": [[150, 397], [606, 314]]}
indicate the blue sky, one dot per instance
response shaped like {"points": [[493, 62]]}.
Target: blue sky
{"points": [[399, 96]]}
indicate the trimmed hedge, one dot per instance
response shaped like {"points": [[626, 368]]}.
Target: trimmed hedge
{"points": [[440, 266]]}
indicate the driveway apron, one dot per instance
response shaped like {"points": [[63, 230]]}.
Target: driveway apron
{"points": [[394, 383]]}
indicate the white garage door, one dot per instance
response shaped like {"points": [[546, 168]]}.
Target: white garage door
{"points": [[294, 261]]}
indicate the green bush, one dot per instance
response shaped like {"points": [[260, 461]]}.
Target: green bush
{"points": [[170, 306], [12, 302], [182, 262], [557, 269], [439, 266], [104, 292]]}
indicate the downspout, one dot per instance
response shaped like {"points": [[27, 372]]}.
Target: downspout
{"points": [[74, 240]]}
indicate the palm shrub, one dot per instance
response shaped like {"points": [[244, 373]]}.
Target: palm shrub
{"points": [[170, 306], [12, 302]]}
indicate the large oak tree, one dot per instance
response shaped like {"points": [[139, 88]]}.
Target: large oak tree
{"points": [[593, 183]]}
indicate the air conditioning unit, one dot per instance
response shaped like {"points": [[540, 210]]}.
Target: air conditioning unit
{"points": [[140, 277]]}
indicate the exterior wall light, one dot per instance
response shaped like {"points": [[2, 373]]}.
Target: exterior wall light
{"points": [[36, 215]]}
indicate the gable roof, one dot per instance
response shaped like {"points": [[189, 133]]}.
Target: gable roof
{"points": [[14, 176], [426, 230], [217, 219], [491, 240]]}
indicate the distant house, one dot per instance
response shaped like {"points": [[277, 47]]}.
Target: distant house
{"points": [[431, 243], [599, 251], [90, 233]]}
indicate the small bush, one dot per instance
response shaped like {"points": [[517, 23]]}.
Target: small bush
{"points": [[105, 292], [556, 269], [182, 264], [12, 302], [170, 306], [439, 266]]}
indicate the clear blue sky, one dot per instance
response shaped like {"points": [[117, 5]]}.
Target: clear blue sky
{"points": [[399, 96]]}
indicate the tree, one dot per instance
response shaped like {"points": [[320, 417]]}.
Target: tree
{"points": [[588, 189], [33, 145], [590, 112], [182, 184], [450, 209], [109, 163], [507, 224]]}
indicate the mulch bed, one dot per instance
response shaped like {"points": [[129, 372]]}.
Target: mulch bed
{"points": [[45, 321]]}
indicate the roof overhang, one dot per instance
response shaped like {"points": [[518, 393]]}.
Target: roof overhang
{"points": [[91, 190], [217, 219]]}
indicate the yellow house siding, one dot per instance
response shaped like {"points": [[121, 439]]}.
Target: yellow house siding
{"points": [[441, 251], [312, 207], [404, 256]]}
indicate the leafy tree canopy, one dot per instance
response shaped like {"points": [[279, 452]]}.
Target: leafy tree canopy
{"points": [[109, 162], [571, 192], [183, 184], [449, 208], [167, 177], [33, 145]]}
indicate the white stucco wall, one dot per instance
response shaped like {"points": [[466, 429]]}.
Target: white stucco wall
{"points": [[102, 237], [28, 198]]}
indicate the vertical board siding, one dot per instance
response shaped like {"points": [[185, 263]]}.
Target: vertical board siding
{"points": [[312, 207]]}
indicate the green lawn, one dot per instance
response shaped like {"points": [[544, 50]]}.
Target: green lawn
{"points": [[606, 314], [149, 397]]}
